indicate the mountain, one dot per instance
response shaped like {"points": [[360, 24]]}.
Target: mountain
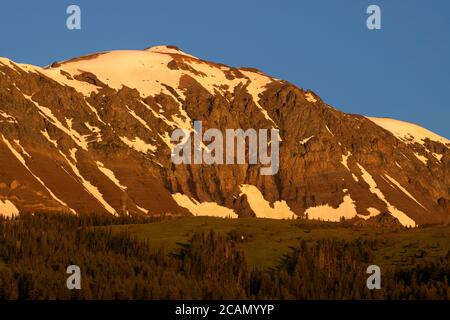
{"points": [[92, 135]]}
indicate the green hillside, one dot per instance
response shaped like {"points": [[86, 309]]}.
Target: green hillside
{"points": [[265, 241]]}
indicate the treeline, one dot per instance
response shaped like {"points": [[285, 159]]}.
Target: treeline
{"points": [[36, 250]]}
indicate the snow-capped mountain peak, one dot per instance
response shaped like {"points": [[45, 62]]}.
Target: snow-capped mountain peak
{"points": [[92, 134]]}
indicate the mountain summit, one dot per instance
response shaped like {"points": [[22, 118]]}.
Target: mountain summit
{"points": [[91, 135]]}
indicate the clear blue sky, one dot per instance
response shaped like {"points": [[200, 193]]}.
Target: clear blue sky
{"points": [[401, 71]]}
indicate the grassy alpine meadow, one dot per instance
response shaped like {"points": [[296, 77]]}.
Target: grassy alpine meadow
{"points": [[266, 241]]}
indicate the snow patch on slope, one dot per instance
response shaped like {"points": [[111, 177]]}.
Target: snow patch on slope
{"points": [[47, 114], [408, 132], [346, 209], [422, 158], [93, 129], [400, 215], [55, 74], [138, 144], [139, 119], [110, 174], [17, 142], [22, 160], [88, 186], [303, 141], [204, 208], [257, 86], [47, 136], [438, 156], [142, 209], [344, 160], [372, 213], [8, 118], [262, 208], [310, 98], [8, 209], [398, 185]]}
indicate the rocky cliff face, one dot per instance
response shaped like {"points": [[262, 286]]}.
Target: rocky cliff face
{"points": [[92, 135]]}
